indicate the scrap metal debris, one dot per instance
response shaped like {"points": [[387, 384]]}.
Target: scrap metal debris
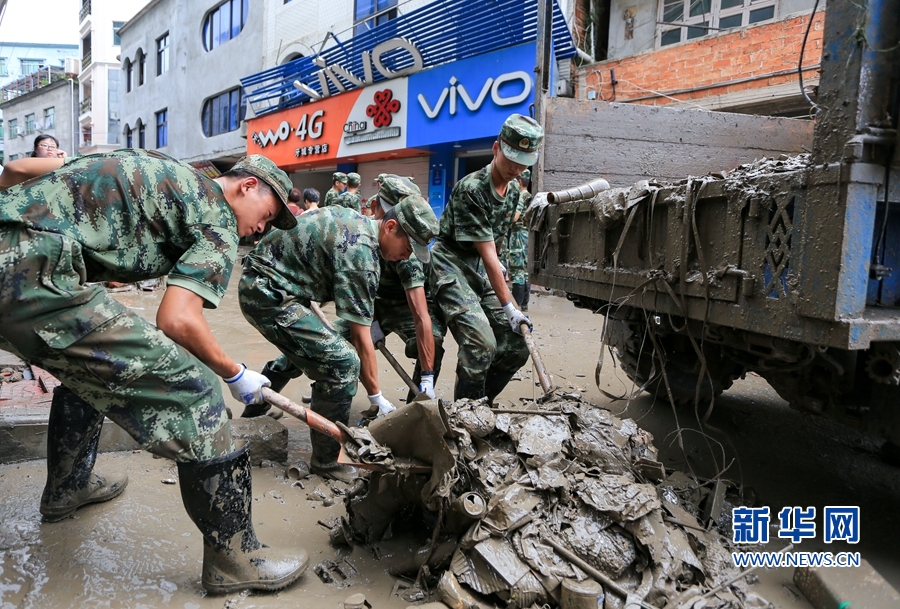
{"points": [[516, 504]]}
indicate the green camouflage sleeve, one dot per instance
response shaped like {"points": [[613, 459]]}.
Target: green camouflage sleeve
{"points": [[356, 274], [411, 272], [206, 266]]}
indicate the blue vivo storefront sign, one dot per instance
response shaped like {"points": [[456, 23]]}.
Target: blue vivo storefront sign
{"points": [[470, 99]]}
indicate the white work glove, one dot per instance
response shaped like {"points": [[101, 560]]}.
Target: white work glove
{"points": [[246, 386], [503, 268], [426, 385], [384, 406], [516, 318], [377, 333]]}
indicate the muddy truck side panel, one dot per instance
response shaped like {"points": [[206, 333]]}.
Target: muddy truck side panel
{"points": [[787, 266]]}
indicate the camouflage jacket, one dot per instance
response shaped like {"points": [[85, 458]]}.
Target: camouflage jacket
{"points": [[332, 254], [350, 201], [396, 278], [476, 213], [518, 226], [331, 197], [138, 214]]}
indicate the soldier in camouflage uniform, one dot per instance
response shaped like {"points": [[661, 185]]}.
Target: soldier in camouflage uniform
{"points": [[338, 186], [332, 255], [127, 216], [517, 250], [403, 304], [350, 198], [467, 278]]}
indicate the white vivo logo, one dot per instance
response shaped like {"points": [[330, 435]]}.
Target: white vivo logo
{"points": [[491, 85], [336, 74]]}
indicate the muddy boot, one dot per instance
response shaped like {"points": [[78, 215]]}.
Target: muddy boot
{"points": [[217, 496], [518, 294], [325, 451], [73, 433], [495, 383], [473, 390], [279, 382], [526, 296]]}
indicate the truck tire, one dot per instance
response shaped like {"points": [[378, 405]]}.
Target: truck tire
{"points": [[682, 363]]}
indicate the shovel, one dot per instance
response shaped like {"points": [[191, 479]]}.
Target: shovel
{"points": [[316, 422], [543, 376]]}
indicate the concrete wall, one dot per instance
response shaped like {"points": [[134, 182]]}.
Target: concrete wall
{"points": [[57, 95], [194, 75], [624, 143]]}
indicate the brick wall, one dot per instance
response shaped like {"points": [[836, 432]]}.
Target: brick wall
{"points": [[757, 52], [582, 15]]}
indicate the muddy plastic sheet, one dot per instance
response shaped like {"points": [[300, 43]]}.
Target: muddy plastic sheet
{"points": [[537, 434], [619, 497]]}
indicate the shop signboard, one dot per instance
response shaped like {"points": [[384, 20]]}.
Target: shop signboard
{"points": [[358, 122], [470, 99]]}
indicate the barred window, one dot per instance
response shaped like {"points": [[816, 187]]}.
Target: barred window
{"points": [[681, 20]]}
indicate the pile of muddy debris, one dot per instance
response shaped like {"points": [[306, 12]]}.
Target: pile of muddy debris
{"points": [[535, 507]]}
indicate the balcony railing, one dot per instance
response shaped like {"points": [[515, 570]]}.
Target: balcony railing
{"points": [[85, 61], [86, 105], [85, 11]]}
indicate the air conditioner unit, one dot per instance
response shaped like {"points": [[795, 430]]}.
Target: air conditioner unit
{"points": [[72, 66], [20, 132]]}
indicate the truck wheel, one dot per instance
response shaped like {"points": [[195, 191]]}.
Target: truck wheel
{"points": [[635, 354]]}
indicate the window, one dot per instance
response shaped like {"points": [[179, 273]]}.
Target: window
{"points": [[129, 75], [29, 124], [4, 69], [222, 113], [162, 54], [1, 128], [162, 128], [116, 25], [698, 18], [142, 67], [13, 157], [224, 23], [112, 106], [142, 140], [372, 13], [129, 137], [50, 118], [30, 66], [13, 127]]}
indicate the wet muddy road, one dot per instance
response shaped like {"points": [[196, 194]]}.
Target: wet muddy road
{"points": [[141, 550]]}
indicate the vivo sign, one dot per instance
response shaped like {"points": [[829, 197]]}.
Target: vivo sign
{"points": [[470, 99], [336, 75], [457, 91]]}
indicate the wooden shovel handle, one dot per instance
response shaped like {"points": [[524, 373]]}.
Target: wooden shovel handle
{"points": [[314, 420]]}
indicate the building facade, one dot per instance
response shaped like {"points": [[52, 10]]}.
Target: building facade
{"points": [[181, 63], [46, 109], [727, 55], [99, 81], [25, 67], [421, 94]]}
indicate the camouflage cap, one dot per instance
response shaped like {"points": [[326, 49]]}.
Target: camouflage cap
{"points": [[353, 179], [379, 179], [393, 188], [268, 172], [520, 138], [525, 175], [339, 176], [418, 221]]}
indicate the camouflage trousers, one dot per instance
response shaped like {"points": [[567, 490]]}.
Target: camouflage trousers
{"points": [[517, 256], [114, 360], [488, 347], [307, 345]]}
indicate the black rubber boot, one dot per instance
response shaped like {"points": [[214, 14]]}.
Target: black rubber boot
{"points": [[526, 296], [73, 433], [496, 382], [279, 382], [518, 293], [217, 496], [474, 390], [325, 450]]}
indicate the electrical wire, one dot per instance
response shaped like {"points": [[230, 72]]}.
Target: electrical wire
{"points": [[815, 107]]}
